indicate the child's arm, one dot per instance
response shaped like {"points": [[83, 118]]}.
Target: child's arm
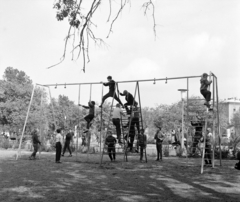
{"points": [[86, 107]]}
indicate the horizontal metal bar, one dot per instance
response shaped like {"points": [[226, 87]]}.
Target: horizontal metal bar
{"points": [[130, 81]]}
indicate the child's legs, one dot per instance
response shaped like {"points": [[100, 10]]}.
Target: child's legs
{"points": [[141, 152], [88, 118], [109, 94], [114, 153], [116, 98], [206, 94], [110, 152]]}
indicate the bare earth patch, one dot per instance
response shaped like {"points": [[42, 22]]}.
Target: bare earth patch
{"points": [[82, 179]]}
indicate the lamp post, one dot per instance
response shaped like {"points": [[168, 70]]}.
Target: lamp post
{"points": [[182, 98]]}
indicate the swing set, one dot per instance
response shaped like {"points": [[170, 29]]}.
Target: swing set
{"points": [[215, 118]]}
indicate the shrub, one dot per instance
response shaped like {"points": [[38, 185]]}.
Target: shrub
{"points": [[166, 151]]}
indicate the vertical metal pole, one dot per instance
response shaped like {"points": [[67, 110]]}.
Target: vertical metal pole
{"points": [[101, 126], [182, 140], [78, 129], [214, 124], [25, 123], [41, 122], [54, 120], [187, 120], [140, 106], [90, 98], [218, 120], [204, 143]]}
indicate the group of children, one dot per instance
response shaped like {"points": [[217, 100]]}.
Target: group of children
{"points": [[116, 115]]}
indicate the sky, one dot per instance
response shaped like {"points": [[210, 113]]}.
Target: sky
{"points": [[192, 37]]}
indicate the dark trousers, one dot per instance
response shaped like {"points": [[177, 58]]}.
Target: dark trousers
{"points": [[111, 152], [58, 151], [89, 118], [135, 121], [208, 154], [110, 94], [130, 145], [35, 147], [129, 104], [67, 146], [116, 122], [195, 144], [206, 94], [141, 151], [159, 150]]}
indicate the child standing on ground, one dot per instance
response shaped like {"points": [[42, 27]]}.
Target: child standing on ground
{"points": [[142, 142], [110, 142], [59, 142], [159, 137], [204, 89]]}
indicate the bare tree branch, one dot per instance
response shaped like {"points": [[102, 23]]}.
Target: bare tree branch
{"points": [[147, 7], [82, 22], [118, 13]]}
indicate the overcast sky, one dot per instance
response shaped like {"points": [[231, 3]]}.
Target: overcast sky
{"points": [[193, 36]]}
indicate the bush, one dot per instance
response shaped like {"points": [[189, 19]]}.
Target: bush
{"points": [[166, 151], [225, 153], [179, 151], [5, 143]]}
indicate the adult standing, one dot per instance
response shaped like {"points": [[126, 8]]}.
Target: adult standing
{"points": [[110, 142], [36, 143], [116, 116], [130, 100], [68, 140], [59, 141], [112, 93]]}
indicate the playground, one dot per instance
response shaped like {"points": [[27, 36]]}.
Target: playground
{"points": [[172, 179]]}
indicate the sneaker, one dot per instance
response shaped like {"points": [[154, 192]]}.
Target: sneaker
{"points": [[136, 150], [157, 159], [70, 155], [62, 154], [30, 158], [100, 106], [85, 131]]}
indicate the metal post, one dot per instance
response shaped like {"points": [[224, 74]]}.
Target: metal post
{"points": [[54, 120], [78, 129], [218, 120], [101, 126], [187, 120], [90, 98], [204, 143], [214, 124], [182, 140], [41, 122], [25, 123]]}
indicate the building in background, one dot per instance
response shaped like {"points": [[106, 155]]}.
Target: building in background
{"points": [[231, 105]]}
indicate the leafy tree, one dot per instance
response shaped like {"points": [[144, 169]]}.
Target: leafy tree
{"points": [[235, 136], [16, 89]]}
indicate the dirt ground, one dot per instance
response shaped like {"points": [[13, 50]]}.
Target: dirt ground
{"points": [[173, 179]]}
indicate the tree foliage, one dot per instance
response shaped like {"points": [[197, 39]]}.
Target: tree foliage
{"points": [[16, 88]]}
